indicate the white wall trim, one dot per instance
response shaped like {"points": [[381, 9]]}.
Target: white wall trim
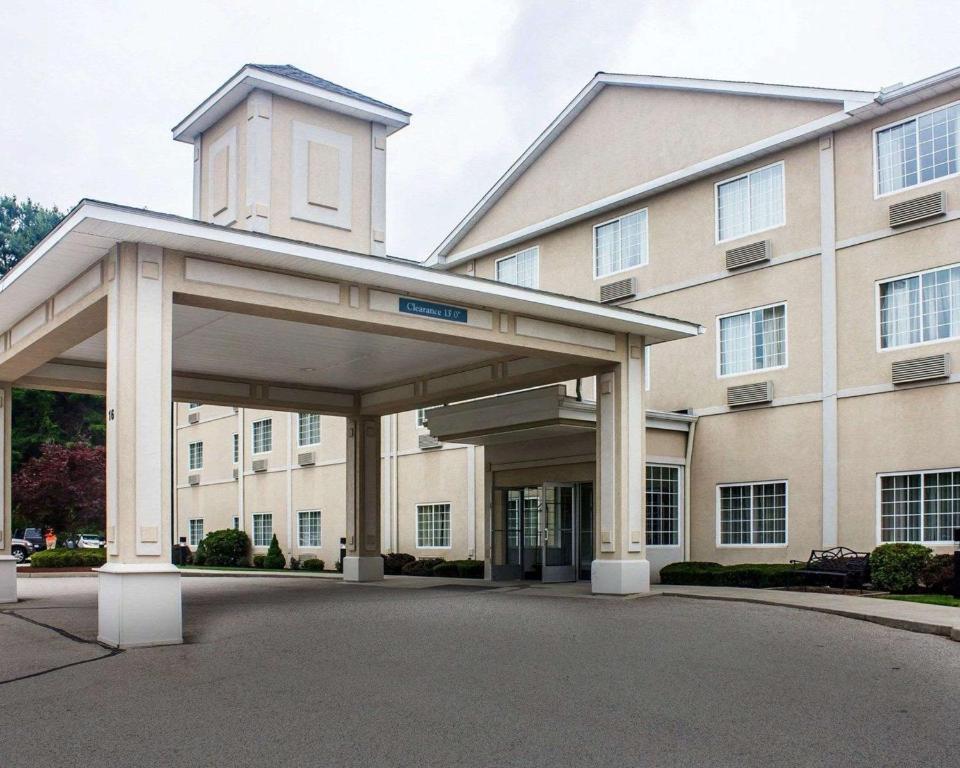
{"points": [[830, 441]]}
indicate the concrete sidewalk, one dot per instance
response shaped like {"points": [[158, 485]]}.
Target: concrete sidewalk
{"points": [[915, 617]]}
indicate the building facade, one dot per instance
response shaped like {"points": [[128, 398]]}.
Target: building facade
{"points": [[810, 233]]}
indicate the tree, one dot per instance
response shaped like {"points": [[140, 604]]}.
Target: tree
{"points": [[22, 226], [64, 488], [275, 558]]}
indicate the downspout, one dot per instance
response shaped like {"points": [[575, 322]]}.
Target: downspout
{"points": [[174, 506], [395, 480], [241, 477], [688, 460], [290, 540]]}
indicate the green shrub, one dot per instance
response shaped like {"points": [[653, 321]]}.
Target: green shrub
{"points": [[259, 561], [937, 575], [68, 558], [275, 558], [446, 568], [464, 569], [394, 562], [755, 575], [312, 564], [422, 567], [897, 567], [227, 547]]}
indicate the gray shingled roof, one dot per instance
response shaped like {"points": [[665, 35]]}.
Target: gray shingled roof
{"points": [[288, 70]]}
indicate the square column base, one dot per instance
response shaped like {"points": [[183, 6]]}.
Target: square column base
{"points": [[139, 605], [619, 577], [362, 568], [8, 579]]}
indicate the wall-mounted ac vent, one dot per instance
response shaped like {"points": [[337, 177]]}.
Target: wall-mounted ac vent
{"points": [[193, 418], [745, 255], [427, 441], [193, 479], [260, 465], [306, 459], [921, 369], [750, 394], [918, 208], [619, 289], [236, 473]]}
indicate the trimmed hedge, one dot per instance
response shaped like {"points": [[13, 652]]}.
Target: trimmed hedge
{"points": [[394, 562], [756, 575], [68, 558], [464, 569], [937, 575], [259, 561], [226, 547], [312, 564], [422, 567], [897, 567]]}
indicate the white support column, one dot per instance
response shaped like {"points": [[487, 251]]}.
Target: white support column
{"points": [[8, 566], [139, 601], [621, 567], [828, 311], [362, 561]]}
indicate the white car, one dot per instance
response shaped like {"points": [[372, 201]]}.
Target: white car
{"points": [[89, 541]]}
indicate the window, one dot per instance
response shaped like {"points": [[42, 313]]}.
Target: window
{"points": [[308, 528], [521, 268], [196, 531], [422, 416], [236, 448], [918, 150], [262, 529], [754, 340], [433, 525], [620, 244], [753, 515], [920, 308], [308, 429], [262, 436], [922, 507], [236, 523], [195, 456], [663, 506], [750, 203], [193, 406]]}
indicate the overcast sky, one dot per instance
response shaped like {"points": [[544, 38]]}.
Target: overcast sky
{"points": [[91, 89]]}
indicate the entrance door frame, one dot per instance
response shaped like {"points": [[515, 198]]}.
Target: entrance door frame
{"points": [[567, 571]]}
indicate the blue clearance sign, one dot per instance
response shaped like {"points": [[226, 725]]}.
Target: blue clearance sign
{"points": [[430, 309]]}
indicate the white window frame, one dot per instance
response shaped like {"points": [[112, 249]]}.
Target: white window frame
{"points": [[253, 529], [416, 520], [875, 147], [190, 524], [300, 514], [236, 447], [191, 467], [300, 416], [746, 174], [646, 244], [420, 413], [253, 441], [193, 406], [878, 315], [879, 504], [536, 268], [786, 339], [786, 514], [680, 502], [235, 522]]}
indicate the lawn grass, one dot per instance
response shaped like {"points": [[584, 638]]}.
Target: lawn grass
{"points": [[953, 602]]}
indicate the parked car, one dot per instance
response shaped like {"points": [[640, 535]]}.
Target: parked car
{"points": [[90, 541], [21, 549], [33, 535]]}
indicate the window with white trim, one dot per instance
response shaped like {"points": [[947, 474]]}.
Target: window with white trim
{"points": [[308, 528], [196, 531], [663, 505], [753, 514], [262, 529], [750, 203], [236, 448], [754, 340], [422, 416], [195, 456], [193, 406], [620, 244], [236, 523], [918, 150], [262, 432], [433, 525], [308, 429], [521, 268], [920, 507], [921, 307]]}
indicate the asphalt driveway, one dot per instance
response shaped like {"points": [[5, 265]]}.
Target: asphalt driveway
{"points": [[287, 672]]}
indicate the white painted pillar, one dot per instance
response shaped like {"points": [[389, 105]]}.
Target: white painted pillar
{"points": [[139, 588], [362, 561], [621, 567], [8, 566]]}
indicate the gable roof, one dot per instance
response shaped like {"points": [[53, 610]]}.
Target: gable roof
{"points": [[292, 83]]}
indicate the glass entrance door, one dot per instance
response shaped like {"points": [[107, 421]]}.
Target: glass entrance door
{"points": [[558, 548]]}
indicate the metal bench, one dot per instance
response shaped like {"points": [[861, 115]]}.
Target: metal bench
{"points": [[838, 562]]}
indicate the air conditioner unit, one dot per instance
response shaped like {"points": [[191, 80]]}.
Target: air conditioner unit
{"points": [[426, 442], [617, 290], [921, 369], [918, 209], [193, 479], [750, 394], [193, 418], [260, 465], [745, 255], [306, 459]]}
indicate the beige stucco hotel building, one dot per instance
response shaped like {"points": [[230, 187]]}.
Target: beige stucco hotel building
{"points": [[811, 232]]}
